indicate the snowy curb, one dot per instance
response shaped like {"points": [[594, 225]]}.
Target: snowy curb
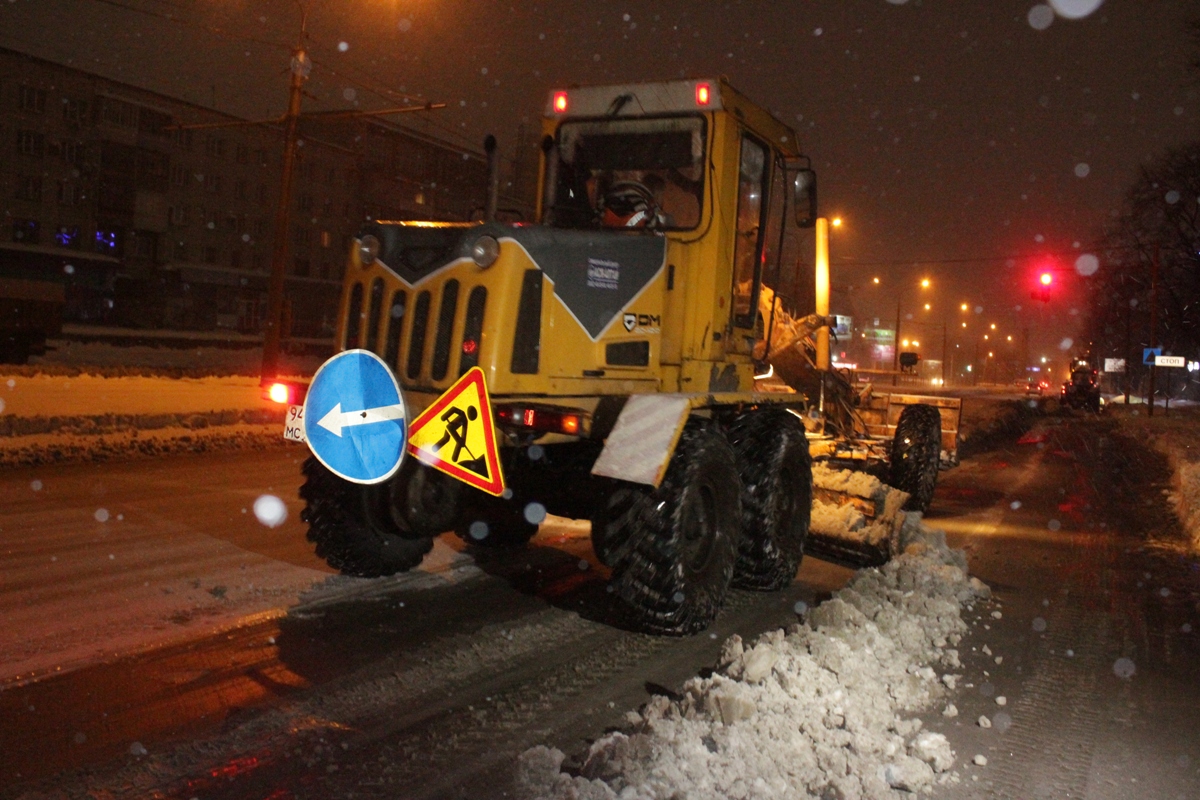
{"points": [[70, 447], [13, 426], [815, 710]]}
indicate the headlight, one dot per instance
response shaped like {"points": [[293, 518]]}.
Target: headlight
{"points": [[485, 251], [368, 250]]}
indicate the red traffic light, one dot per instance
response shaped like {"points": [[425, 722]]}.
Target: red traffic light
{"points": [[1046, 279]]}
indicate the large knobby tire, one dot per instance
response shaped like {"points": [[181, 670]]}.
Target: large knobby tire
{"points": [[776, 475], [419, 501], [614, 520], [339, 524], [916, 455], [493, 522], [680, 541]]}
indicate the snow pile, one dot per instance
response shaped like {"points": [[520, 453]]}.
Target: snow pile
{"points": [[1177, 436], [813, 711], [834, 515]]}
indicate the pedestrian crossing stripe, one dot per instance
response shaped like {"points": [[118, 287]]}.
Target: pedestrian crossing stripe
{"points": [[457, 435]]}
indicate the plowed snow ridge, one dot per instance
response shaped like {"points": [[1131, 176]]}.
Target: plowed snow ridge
{"points": [[816, 710]]}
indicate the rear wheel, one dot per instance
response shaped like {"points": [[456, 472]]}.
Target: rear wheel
{"points": [[776, 477], [678, 544], [339, 516], [916, 455]]}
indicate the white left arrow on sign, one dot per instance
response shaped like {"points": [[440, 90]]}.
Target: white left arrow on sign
{"points": [[337, 419]]}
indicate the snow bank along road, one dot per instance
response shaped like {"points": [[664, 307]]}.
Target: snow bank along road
{"points": [[434, 685]]}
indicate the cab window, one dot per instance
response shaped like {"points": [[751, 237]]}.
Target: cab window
{"points": [[747, 249]]}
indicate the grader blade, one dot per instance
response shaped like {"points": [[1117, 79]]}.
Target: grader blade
{"points": [[856, 518]]}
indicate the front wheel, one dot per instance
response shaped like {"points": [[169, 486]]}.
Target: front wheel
{"points": [[776, 477], [339, 519], [916, 455], [679, 543]]}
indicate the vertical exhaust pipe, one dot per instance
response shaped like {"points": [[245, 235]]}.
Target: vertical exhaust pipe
{"points": [[493, 165]]}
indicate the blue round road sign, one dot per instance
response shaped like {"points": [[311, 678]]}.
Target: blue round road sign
{"points": [[354, 417]]}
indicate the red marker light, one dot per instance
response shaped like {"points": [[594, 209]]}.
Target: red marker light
{"points": [[528, 417], [1046, 279], [703, 96], [560, 102], [470, 346], [279, 393]]}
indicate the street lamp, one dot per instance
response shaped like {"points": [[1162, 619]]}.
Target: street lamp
{"points": [[896, 355]]}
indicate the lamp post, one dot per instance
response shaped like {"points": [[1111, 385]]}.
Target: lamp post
{"points": [[821, 262], [896, 348]]}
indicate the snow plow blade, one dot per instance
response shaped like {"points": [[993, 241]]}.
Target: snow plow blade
{"points": [[856, 518]]}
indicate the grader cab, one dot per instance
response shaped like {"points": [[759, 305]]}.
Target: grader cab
{"points": [[633, 340]]}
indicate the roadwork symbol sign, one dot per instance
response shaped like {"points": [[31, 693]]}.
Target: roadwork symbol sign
{"points": [[1149, 354], [354, 417], [457, 435]]}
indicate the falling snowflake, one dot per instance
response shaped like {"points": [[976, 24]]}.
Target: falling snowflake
{"points": [[270, 510], [1075, 9], [535, 513], [101, 515], [1082, 170], [1040, 17], [1124, 668], [1087, 264]]}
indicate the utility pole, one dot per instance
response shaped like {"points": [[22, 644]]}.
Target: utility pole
{"points": [[1153, 322], [896, 348], [945, 350], [272, 333]]}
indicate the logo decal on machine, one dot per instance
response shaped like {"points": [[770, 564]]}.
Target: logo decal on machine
{"points": [[603, 273], [642, 323]]}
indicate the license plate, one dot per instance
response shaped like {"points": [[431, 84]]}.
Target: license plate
{"points": [[293, 426]]}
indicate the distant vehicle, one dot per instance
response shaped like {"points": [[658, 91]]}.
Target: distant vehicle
{"points": [[1037, 388], [31, 311], [1082, 390]]}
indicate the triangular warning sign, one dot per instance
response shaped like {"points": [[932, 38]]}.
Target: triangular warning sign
{"points": [[457, 435]]}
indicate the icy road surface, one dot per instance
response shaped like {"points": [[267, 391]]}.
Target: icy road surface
{"points": [[1084, 666]]}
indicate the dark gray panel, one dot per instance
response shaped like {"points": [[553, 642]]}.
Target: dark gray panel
{"points": [[595, 273]]}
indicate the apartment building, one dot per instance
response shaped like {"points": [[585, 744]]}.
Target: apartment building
{"points": [[156, 227]]}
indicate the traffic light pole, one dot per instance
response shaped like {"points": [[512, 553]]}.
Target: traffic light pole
{"points": [[272, 332]]}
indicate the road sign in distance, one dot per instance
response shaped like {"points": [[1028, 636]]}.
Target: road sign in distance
{"points": [[1114, 365], [1170, 361], [1148, 354], [354, 417]]}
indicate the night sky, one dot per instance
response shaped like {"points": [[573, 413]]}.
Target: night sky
{"points": [[958, 140]]}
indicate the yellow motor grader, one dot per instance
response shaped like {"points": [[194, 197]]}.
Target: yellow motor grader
{"points": [[643, 372]]}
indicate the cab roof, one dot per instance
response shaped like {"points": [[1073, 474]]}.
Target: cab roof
{"points": [[667, 97]]}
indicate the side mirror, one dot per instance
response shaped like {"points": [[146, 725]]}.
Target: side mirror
{"points": [[804, 194]]}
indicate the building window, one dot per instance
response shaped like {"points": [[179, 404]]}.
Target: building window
{"points": [[260, 156], [68, 193], [74, 111], [332, 176], [306, 202], [67, 236], [214, 146], [326, 239], [243, 154], [32, 100], [71, 153], [260, 227], [328, 206], [183, 138], [118, 112], [31, 143], [239, 190], [213, 183], [302, 267], [178, 216], [180, 251], [26, 231], [29, 187], [154, 123], [179, 175], [235, 259], [210, 255], [300, 237], [260, 264], [108, 241], [262, 193]]}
